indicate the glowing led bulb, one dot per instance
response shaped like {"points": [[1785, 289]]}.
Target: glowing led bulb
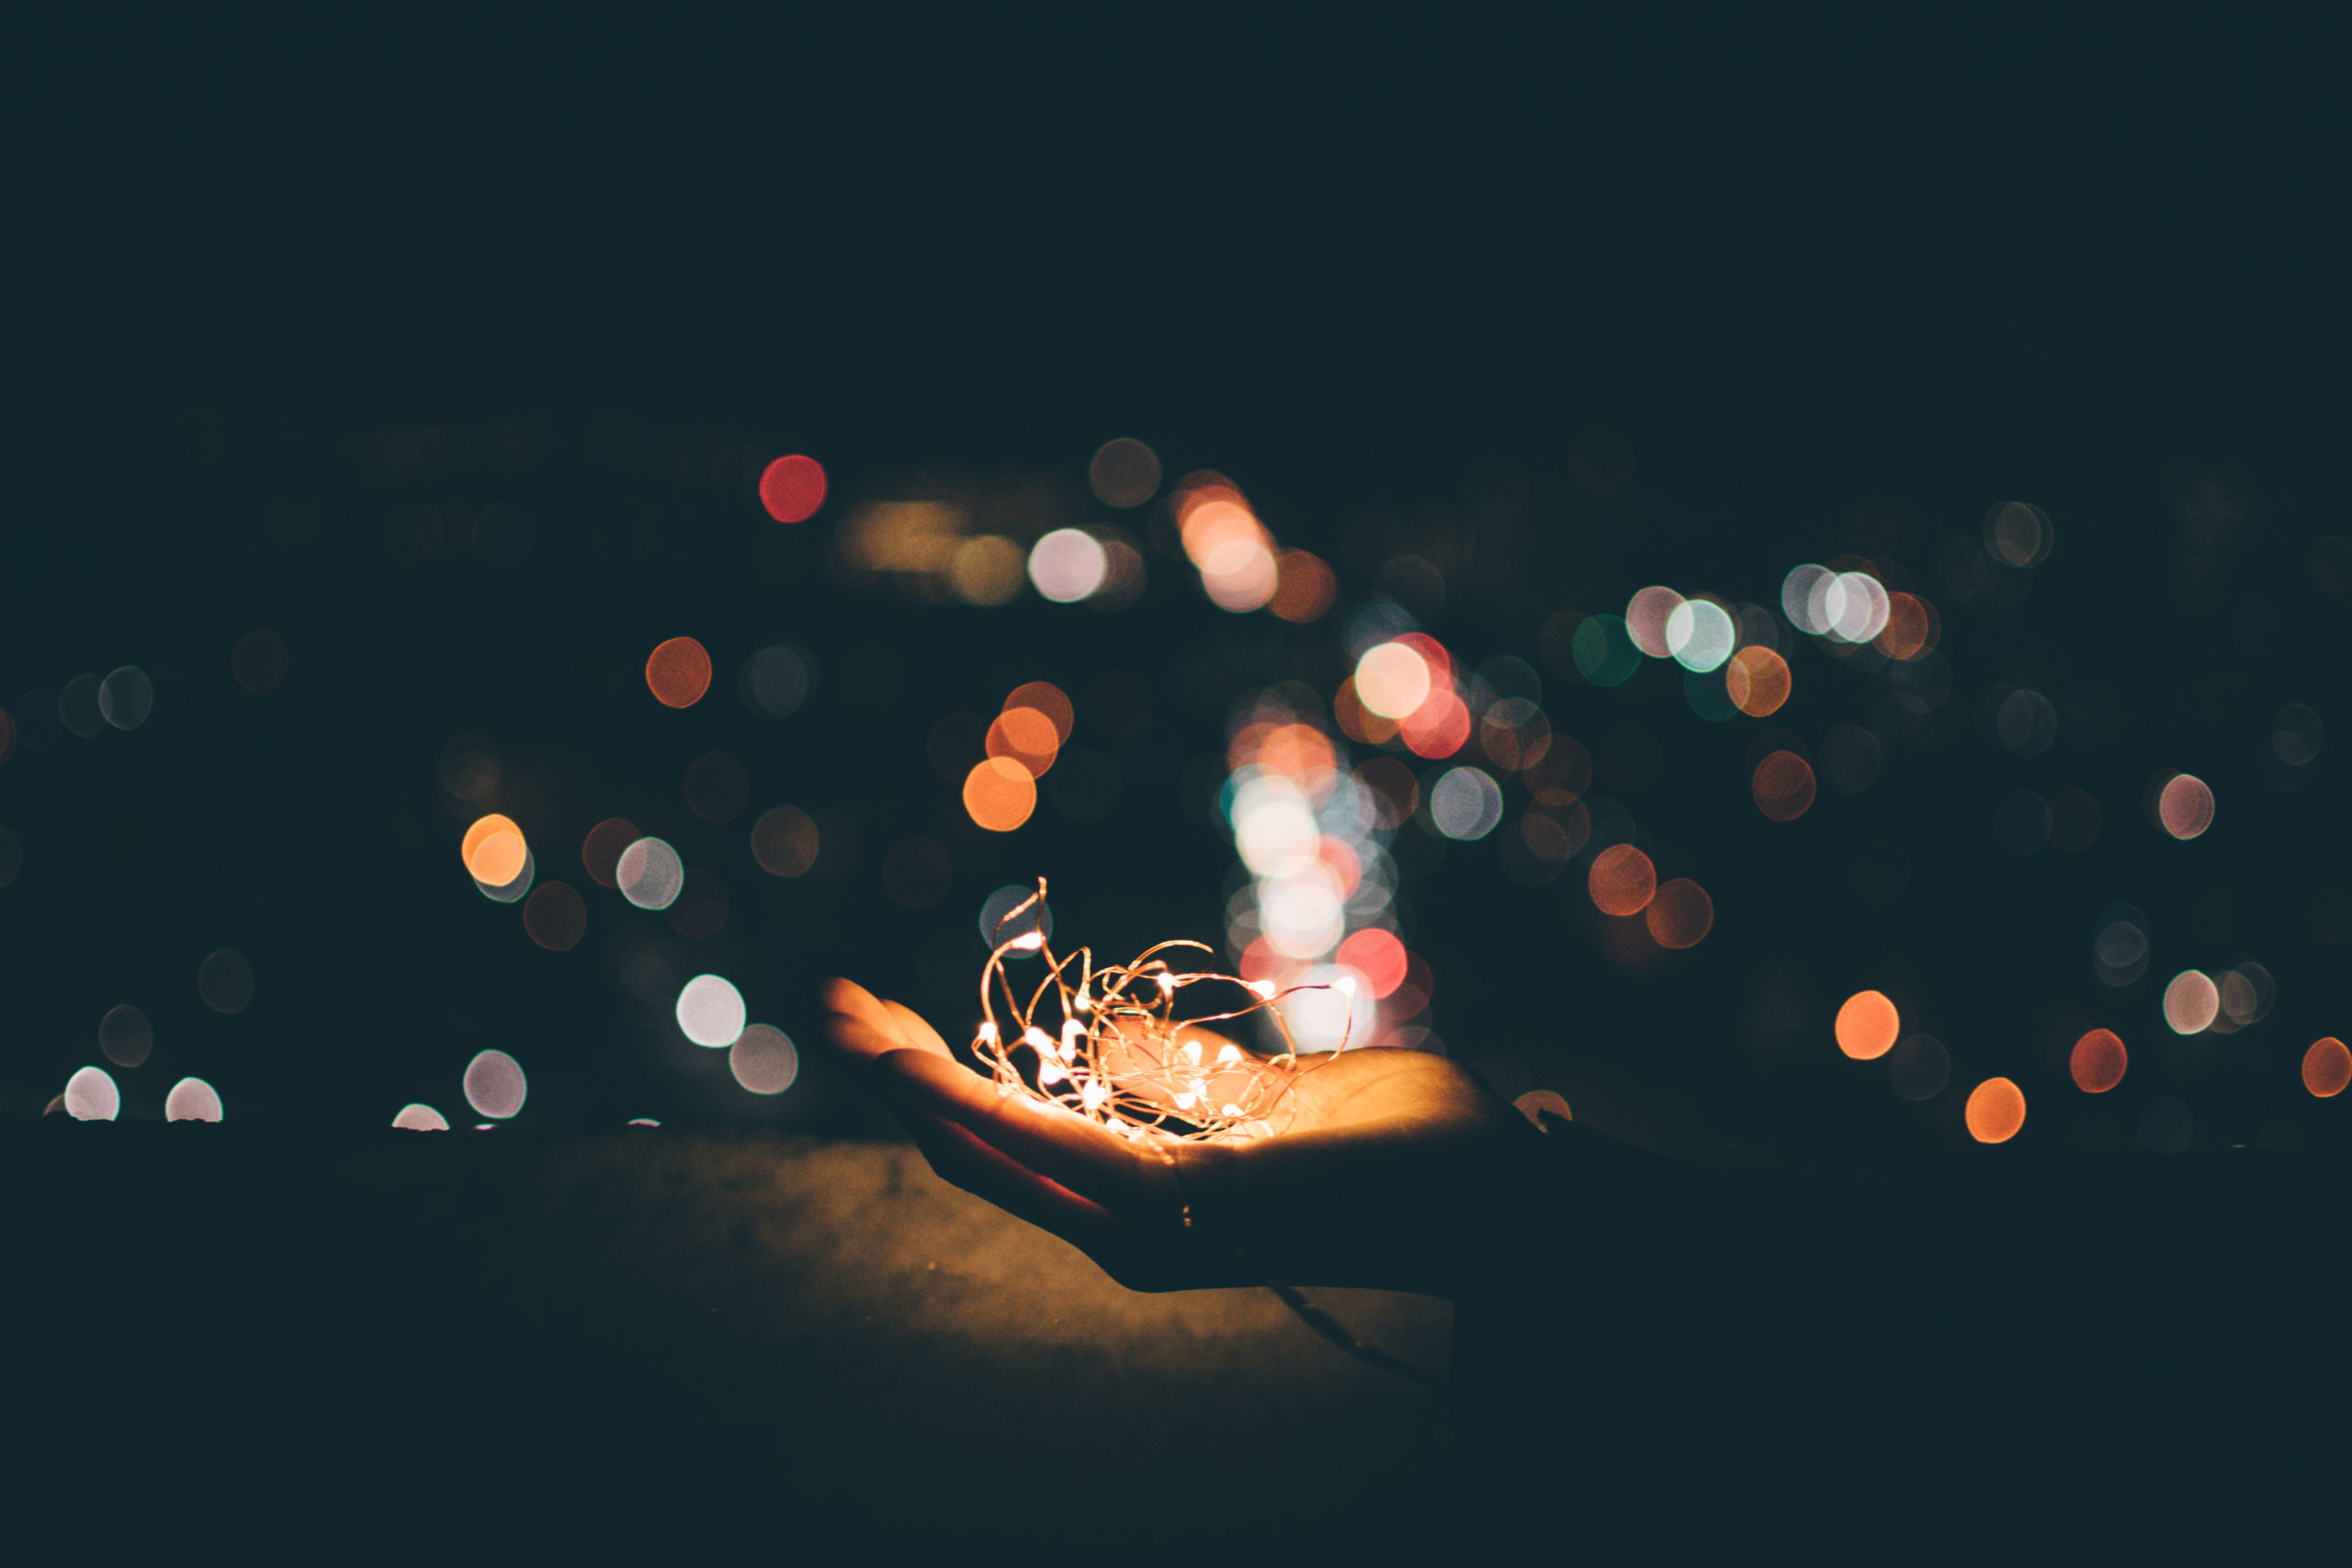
{"points": [[1072, 1033], [988, 1032], [1037, 1040], [1262, 989], [1227, 1054], [1051, 1071], [1192, 1053], [1028, 941], [1094, 1095]]}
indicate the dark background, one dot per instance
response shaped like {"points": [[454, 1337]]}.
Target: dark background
{"points": [[1835, 288], [287, 284]]}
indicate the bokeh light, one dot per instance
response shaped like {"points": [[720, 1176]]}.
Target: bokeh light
{"points": [[1378, 956], [1756, 681], [126, 698], [764, 1059], [999, 924], [1049, 699], [1995, 1111], [1000, 794], [2119, 945], [1854, 605], [710, 1011], [987, 571], [1918, 1068], [1868, 1026], [1026, 737], [1465, 804], [259, 661], [1603, 650], [1647, 614], [678, 673], [1621, 881], [2099, 1061], [77, 707], [1913, 628], [1439, 727], [2192, 1002], [192, 1099], [556, 918], [124, 1037], [2017, 533], [1797, 600], [1229, 546], [420, 1119], [2297, 735], [225, 981], [1392, 681], [2327, 1067], [2246, 992], [493, 850], [1681, 914], [90, 1096], [1700, 636], [2027, 722], [1067, 565], [775, 682], [784, 841], [792, 489], [1782, 786], [600, 851], [649, 874], [1124, 473], [495, 1087], [1304, 587], [2185, 807]]}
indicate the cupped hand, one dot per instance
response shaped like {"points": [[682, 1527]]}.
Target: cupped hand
{"points": [[1384, 1168]]}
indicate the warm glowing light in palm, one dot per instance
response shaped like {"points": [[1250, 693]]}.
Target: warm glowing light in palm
{"points": [[1107, 1044]]}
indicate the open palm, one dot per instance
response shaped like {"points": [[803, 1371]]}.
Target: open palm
{"points": [[1358, 1180]]}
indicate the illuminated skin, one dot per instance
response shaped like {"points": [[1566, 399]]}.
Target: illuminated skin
{"points": [[1389, 1149]]}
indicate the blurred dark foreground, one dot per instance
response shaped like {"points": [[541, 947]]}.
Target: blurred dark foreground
{"points": [[312, 1344], [306, 1341]]}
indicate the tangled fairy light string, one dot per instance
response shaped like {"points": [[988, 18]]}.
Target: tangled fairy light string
{"points": [[1110, 1047]]}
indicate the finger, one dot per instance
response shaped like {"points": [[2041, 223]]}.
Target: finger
{"points": [[861, 1040], [1056, 1144], [916, 1030], [965, 1160], [850, 1000]]}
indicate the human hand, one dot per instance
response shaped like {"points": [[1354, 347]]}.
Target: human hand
{"points": [[1389, 1168]]}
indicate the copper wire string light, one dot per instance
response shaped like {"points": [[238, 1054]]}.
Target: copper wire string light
{"points": [[1109, 1047]]}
